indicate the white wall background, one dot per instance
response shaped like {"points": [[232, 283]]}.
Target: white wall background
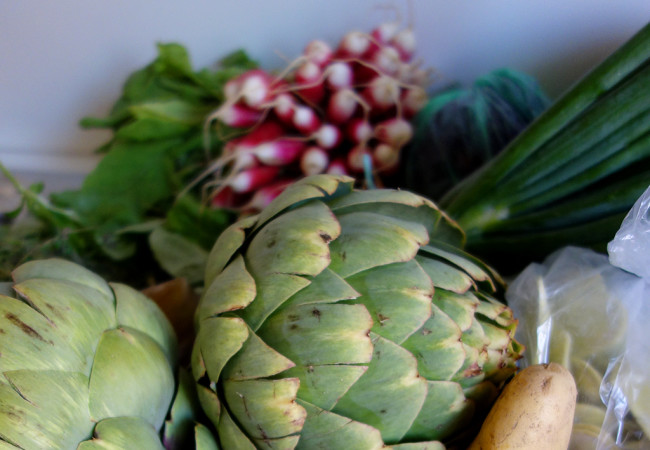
{"points": [[65, 59]]}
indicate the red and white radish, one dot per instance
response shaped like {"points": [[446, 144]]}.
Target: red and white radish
{"points": [[225, 198], [353, 45], [309, 82], [338, 167], [318, 52], [404, 42], [243, 160], [263, 132], [255, 88], [231, 89], [251, 179], [387, 60], [339, 75], [327, 136], [305, 119], [338, 111], [395, 132], [385, 32], [385, 156], [284, 106], [412, 100], [237, 115], [356, 157], [279, 152], [359, 131], [342, 105], [382, 92], [314, 161], [265, 195]]}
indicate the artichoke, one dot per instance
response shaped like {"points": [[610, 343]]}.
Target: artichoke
{"points": [[85, 364], [340, 318]]}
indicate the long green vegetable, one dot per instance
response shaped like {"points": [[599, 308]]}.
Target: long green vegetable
{"points": [[571, 176]]}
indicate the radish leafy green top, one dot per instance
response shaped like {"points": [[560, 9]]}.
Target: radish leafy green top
{"points": [[133, 194]]}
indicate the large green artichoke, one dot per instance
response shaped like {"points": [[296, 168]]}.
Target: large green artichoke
{"points": [[84, 364], [348, 319]]}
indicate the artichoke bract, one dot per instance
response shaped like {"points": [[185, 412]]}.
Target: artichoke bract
{"points": [[85, 364], [342, 318]]}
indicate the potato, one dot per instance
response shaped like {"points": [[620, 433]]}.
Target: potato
{"points": [[534, 411]]}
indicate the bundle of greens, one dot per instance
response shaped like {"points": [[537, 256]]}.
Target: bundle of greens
{"points": [[128, 221], [462, 128]]}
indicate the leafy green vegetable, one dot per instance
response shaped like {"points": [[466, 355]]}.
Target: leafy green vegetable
{"points": [[178, 255], [460, 129], [156, 151], [194, 220]]}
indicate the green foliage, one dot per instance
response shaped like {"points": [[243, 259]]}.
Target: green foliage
{"points": [[460, 129], [156, 151]]}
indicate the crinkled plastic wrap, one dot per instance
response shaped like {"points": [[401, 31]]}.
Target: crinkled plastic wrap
{"points": [[630, 249], [591, 313]]}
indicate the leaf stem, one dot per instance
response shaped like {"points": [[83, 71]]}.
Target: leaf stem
{"points": [[32, 198]]}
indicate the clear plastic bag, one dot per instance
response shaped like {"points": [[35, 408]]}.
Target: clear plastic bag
{"points": [[591, 314], [630, 248]]}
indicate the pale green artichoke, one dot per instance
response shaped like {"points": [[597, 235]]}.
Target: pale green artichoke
{"points": [[344, 319], [84, 364]]}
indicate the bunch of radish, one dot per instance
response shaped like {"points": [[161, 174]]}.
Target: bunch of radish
{"points": [[343, 110]]}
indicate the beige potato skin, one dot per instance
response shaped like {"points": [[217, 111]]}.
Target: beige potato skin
{"points": [[534, 411]]}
